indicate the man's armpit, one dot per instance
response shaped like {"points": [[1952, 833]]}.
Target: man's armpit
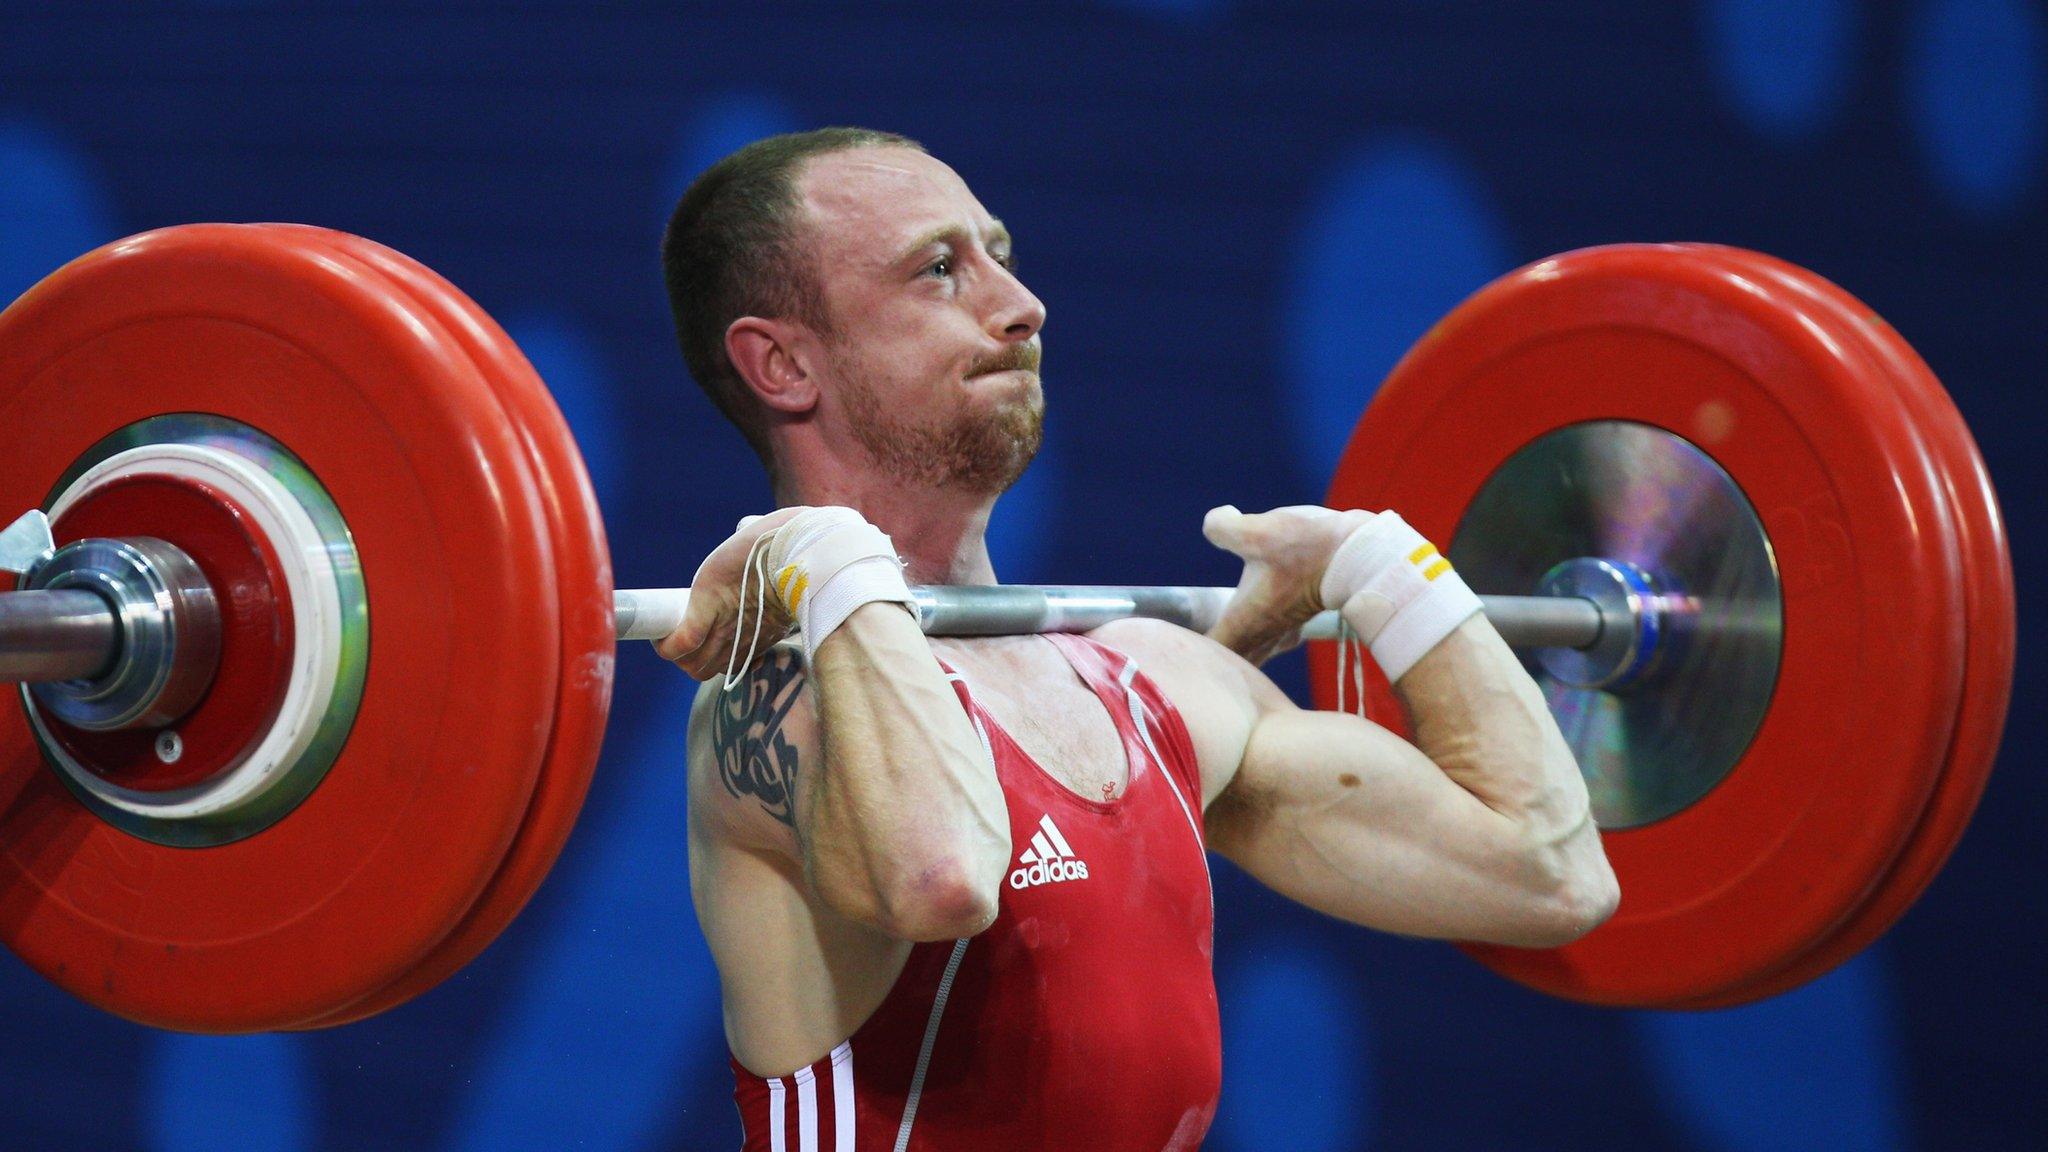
{"points": [[756, 760]]}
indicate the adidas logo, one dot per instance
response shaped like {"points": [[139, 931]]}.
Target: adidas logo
{"points": [[1049, 860]]}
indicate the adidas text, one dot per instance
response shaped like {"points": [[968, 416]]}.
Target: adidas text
{"points": [[1048, 872]]}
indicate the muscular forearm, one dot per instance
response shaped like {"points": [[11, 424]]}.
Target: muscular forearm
{"points": [[905, 827], [1479, 716]]}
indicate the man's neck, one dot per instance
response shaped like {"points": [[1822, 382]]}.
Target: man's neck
{"points": [[937, 532]]}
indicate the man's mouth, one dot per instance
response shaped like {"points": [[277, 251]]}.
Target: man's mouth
{"points": [[1017, 358]]}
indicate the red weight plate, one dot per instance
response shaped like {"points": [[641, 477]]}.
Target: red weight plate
{"points": [[583, 577], [1988, 609], [255, 635], [347, 892], [1778, 855]]}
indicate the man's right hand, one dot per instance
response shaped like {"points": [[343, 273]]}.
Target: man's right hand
{"points": [[717, 621]]}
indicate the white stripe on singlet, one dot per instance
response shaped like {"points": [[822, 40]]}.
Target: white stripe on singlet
{"points": [[806, 1110], [1143, 721], [924, 1051], [987, 749], [842, 1098], [777, 1116]]}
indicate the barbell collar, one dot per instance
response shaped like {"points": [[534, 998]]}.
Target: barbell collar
{"points": [[112, 633]]}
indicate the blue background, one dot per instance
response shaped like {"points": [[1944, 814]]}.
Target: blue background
{"points": [[1239, 215]]}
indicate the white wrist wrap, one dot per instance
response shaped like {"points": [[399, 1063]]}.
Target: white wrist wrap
{"points": [[825, 563], [1396, 592]]}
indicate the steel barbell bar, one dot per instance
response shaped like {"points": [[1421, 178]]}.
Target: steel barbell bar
{"points": [[1013, 609]]}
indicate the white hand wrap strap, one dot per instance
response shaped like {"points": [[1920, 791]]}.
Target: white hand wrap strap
{"points": [[825, 563], [1396, 591]]}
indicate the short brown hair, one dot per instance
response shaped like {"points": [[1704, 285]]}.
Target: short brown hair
{"points": [[732, 250]]}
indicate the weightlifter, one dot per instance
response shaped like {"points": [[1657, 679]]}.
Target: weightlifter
{"points": [[957, 889]]}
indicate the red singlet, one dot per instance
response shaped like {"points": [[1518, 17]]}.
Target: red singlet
{"points": [[1084, 1018]]}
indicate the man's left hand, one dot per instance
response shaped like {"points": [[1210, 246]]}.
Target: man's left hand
{"points": [[1285, 552]]}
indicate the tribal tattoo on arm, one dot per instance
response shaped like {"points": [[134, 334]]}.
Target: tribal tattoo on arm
{"points": [[754, 757]]}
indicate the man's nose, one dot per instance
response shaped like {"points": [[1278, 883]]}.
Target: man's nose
{"points": [[1016, 315]]}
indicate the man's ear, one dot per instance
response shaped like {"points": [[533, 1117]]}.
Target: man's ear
{"points": [[772, 356]]}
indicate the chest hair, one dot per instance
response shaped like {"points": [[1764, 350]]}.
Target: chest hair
{"points": [[1036, 697]]}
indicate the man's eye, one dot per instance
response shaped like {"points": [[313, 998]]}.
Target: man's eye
{"points": [[1008, 261], [942, 267]]}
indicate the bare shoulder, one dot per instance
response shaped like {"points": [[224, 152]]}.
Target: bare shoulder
{"points": [[1218, 693], [1141, 637], [749, 744], [1185, 661]]}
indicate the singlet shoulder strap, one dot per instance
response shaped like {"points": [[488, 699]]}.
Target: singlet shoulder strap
{"points": [[1097, 665], [965, 692]]}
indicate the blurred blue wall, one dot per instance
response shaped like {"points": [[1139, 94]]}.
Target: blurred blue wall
{"points": [[1239, 215]]}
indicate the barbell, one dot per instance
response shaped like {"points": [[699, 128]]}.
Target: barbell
{"points": [[262, 774]]}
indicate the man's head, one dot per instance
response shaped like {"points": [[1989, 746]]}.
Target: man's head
{"points": [[846, 302]]}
